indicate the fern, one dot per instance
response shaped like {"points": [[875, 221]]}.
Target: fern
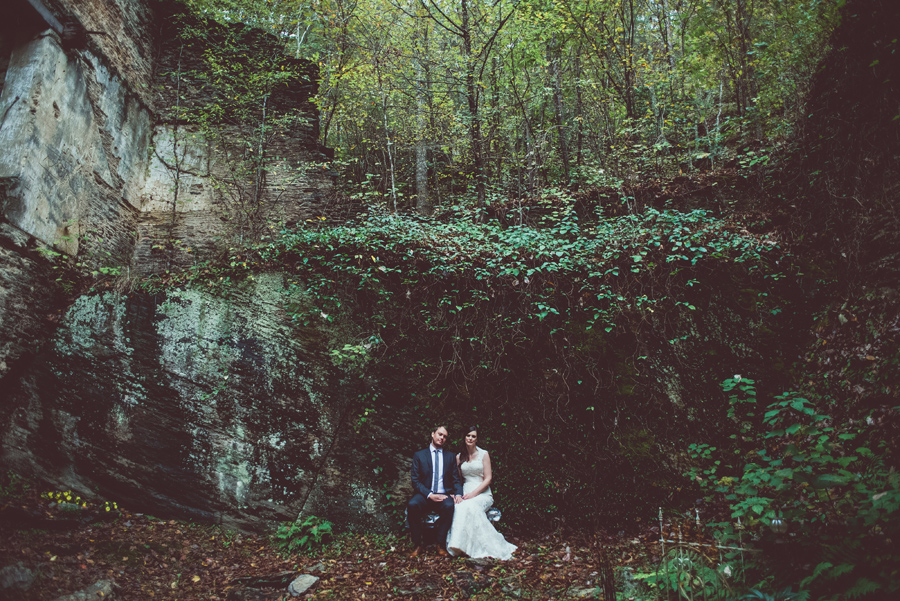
{"points": [[825, 565], [840, 570], [302, 536], [863, 587]]}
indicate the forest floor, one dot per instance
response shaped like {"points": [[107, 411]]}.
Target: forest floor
{"points": [[149, 558]]}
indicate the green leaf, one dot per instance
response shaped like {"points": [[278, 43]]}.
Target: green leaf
{"points": [[798, 404], [830, 481]]}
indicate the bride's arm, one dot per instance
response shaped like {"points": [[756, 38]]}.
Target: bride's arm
{"points": [[488, 476]]}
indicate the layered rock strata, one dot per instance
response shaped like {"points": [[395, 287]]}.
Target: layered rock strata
{"points": [[184, 404]]}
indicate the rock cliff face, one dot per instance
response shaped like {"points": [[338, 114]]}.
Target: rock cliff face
{"points": [[187, 403], [191, 405], [75, 141]]}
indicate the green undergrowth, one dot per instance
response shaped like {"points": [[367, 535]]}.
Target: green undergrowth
{"points": [[819, 496], [564, 271], [560, 339], [12, 485], [303, 536]]}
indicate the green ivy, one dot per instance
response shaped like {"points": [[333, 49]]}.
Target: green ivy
{"points": [[415, 313], [385, 255], [827, 480]]}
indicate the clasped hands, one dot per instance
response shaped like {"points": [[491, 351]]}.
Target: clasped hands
{"points": [[438, 498]]}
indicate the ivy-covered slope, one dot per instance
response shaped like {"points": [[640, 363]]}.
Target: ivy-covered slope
{"points": [[587, 349]]}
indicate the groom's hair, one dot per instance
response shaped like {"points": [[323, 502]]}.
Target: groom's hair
{"points": [[435, 429]]}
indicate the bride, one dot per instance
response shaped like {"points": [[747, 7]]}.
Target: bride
{"points": [[471, 533]]}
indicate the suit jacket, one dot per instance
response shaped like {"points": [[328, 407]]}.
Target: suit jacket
{"points": [[422, 473]]}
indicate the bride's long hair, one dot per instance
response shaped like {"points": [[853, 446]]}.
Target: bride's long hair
{"points": [[464, 451]]}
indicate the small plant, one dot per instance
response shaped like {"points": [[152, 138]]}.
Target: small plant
{"points": [[685, 573], [821, 474], [67, 497], [12, 485], [298, 537], [785, 595], [72, 501]]}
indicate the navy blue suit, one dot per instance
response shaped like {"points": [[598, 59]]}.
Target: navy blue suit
{"points": [[422, 474]]}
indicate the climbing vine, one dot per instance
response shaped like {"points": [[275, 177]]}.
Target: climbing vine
{"points": [[588, 271], [548, 334], [542, 330]]}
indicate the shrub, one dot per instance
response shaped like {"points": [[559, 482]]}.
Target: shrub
{"points": [[298, 537], [825, 486]]}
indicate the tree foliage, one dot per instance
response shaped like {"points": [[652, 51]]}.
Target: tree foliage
{"points": [[512, 97]]}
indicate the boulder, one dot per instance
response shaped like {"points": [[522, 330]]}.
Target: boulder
{"points": [[302, 584], [16, 577], [102, 589]]}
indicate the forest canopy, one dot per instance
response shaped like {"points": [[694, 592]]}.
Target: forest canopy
{"points": [[425, 101]]}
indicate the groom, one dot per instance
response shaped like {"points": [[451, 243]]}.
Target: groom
{"points": [[438, 488]]}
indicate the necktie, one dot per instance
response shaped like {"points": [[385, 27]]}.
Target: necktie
{"points": [[437, 465]]}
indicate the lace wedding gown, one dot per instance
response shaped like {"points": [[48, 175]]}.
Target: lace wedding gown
{"points": [[471, 533]]}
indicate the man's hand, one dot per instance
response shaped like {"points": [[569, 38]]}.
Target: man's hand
{"points": [[437, 498], [457, 499]]}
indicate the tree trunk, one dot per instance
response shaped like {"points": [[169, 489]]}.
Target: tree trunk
{"points": [[423, 199], [557, 103], [494, 144], [472, 99], [388, 143], [579, 110]]}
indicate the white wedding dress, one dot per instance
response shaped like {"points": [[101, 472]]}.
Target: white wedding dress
{"points": [[471, 533]]}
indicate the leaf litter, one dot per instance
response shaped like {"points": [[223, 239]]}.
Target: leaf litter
{"points": [[150, 558]]}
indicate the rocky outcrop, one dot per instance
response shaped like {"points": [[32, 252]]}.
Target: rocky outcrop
{"points": [[28, 312], [191, 199], [192, 405], [98, 155], [185, 404], [75, 141]]}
